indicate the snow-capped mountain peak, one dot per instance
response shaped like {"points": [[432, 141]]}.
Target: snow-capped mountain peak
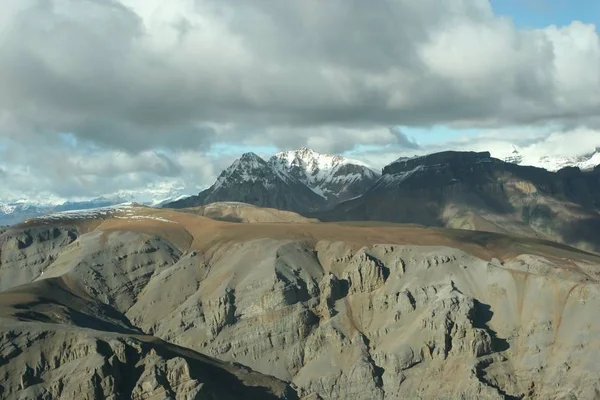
{"points": [[251, 157], [250, 179], [248, 168], [297, 180], [326, 174], [315, 161], [515, 156], [313, 169], [247, 162], [553, 162]]}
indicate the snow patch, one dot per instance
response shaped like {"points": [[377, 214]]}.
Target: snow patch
{"points": [[389, 180], [89, 213], [138, 217], [219, 204], [318, 171]]}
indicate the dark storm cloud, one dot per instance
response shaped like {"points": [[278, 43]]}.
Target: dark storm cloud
{"points": [[133, 76]]}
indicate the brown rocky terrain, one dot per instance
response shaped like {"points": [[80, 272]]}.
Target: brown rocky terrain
{"points": [[244, 212], [338, 310]]}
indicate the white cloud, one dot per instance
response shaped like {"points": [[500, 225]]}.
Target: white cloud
{"points": [[134, 76]]}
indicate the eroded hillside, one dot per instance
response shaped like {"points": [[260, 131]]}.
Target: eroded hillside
{"points": [[339, 310]]}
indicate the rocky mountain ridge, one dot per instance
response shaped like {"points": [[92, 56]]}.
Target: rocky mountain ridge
{"points": [[59, 342], [250, 179], [470, 190], [300, 180]]}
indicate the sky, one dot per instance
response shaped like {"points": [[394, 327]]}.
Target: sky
{"points": [[112, 96]]}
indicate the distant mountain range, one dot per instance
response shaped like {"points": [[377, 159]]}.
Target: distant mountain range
{"points": [[12, 212], [299, 180], [555, 163]]}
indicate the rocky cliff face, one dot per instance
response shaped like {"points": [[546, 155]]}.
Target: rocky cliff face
{"points": [[338, 311], [25, 253], [475, 191], [66, 335], [457, 162], [45, 361]]}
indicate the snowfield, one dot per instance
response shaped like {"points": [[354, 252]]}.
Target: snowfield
{"points": [[125, 211]]}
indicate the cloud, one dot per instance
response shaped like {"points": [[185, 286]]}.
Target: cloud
{"points": [[403, 141], [147, 88], [136, 74], [68, 171]]}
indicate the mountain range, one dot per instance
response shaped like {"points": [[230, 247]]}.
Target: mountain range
{"points": [[466, 190], [297, 180]]}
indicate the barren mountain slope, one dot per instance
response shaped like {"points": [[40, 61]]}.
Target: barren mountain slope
{"points": [[243, 212], [470, 190], [341, 310], [59, 343]]}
